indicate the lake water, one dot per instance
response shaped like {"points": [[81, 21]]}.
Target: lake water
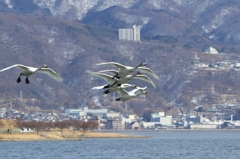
{"points": [[222, 144]]}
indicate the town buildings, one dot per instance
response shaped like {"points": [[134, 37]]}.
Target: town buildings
{"points": [[197, 118]]}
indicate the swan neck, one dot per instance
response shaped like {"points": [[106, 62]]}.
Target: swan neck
{"points": [[39, 68], [139, 65]]}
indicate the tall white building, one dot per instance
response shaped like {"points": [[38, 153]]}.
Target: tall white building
{"points": [[136, 33], [129, 34]]}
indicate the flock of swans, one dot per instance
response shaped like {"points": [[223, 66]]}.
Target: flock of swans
{"points": [[117, 79]]}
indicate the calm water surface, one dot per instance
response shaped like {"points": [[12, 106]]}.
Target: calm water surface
{"points": [[162, 145]]}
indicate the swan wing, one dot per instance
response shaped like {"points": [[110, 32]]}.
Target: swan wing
{"points": [[112, 72], [98, 87], [22, 67], [50, 73], [121, 72], [138, 90], [114, 64], [146, 79], [148, 71], [115, 88], [106, 77]]}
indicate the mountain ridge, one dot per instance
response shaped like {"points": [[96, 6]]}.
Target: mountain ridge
{"points": [[169, 44]]}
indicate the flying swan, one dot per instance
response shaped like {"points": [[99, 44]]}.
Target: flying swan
{"points": [[114, 88], [131, 94], [122, 70], [126, 70], [110, 79], [139, 76], [27, 71]]}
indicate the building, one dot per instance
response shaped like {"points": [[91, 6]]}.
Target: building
{"points": [[136, 33], [166, 120], [98, 112], [118, 125], [73, 112], [113, 114], [129, 34], [2, 112], [155, 118], [125, 34], [211, 50], [204, 126], [108, 124], [136, 126], [161, 119], [196, 60], [237, 65], [84, 110], [132, 117], [148, 125], [193, 119]]}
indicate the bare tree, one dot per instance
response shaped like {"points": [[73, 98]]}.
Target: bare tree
{"points": [[48, 125], [1, 123], [89, 125], [83, 125], [92, 124], [37, 125], [19, 122], [74, 124], [40, 126], [62, 125]]}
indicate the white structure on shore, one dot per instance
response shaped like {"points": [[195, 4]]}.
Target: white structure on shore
{"points": [[203, 126], [130, 34]]}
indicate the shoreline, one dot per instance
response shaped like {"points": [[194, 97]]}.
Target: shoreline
{"points": [[66, 135], [57, 135], [162, 130]]}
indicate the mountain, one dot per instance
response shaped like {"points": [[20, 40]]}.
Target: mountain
{"points": [[72, 36]]}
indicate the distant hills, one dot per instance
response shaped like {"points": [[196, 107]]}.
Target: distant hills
{"points": [[72, 37]]}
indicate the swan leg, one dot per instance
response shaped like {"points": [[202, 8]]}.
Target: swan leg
{"points": [[115, 76], [27, 81], [113, 84], [107, 86], [106, 91], [19, 79]]}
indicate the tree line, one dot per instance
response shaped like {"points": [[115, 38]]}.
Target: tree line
{"points": [[66, 124]]}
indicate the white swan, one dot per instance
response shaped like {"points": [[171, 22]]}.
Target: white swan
{"points": [[125, 70], [27, 71], [131, 94], [122, 69], [139, 76], [110, 79], [114, 88]]}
